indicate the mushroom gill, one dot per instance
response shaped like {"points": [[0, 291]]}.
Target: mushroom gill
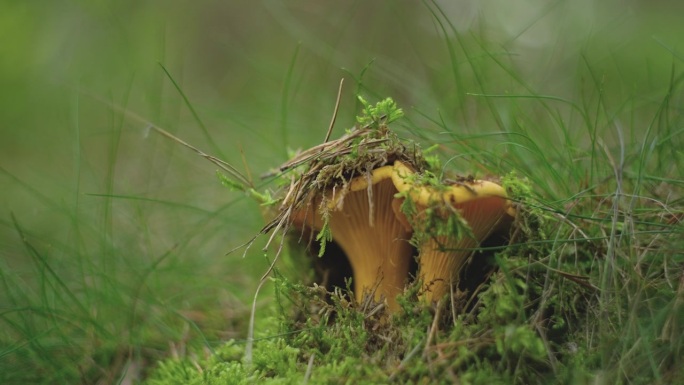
{"points": [[449, 222], [363, 223]]}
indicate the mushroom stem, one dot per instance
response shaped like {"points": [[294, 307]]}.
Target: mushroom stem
{"points": [[442, 258]]}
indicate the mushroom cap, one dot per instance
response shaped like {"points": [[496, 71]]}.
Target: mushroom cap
{"points": [[310, 215], [482, 204], [378, 174], [455, 195]]}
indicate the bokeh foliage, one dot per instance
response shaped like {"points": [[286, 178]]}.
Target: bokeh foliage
{"points": [[113, 239]]}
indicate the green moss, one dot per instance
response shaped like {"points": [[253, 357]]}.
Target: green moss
{"points": [[274, 362], [380, 114], [358, 344], [525, 325]]}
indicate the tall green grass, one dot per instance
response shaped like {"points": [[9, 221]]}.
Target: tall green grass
{"points": [[114, 240]]}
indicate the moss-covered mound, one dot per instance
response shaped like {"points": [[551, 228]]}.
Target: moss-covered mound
{"points": [[568, 296]]}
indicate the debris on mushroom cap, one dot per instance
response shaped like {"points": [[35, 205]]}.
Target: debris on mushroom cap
{"points": [[449, 222], [363, 223]]}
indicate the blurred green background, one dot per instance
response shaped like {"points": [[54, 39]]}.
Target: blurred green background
{"points": [[113, 239]]}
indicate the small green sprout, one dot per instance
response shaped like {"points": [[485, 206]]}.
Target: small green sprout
{"points": [[383, 113], [264, 199], [432, 160], [227, 182], [325, 235]]}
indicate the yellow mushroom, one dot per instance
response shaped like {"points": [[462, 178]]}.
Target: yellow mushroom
{"points": [[481, 204], [363, 223]]}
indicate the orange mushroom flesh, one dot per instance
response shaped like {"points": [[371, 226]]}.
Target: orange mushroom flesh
{"points": [[482, 205], [363, 223]]}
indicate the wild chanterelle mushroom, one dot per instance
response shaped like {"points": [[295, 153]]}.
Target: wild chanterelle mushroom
{"points": [[450, 221], [363, 223]]}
